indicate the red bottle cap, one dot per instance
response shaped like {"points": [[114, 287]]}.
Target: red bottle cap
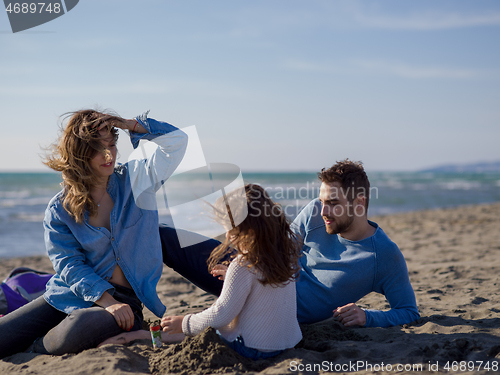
{"points": [[155, 328]]}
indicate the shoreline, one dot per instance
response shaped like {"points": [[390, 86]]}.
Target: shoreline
{"points": [[374, 217], [453, 258]]}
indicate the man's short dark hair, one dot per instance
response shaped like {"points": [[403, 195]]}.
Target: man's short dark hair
{"points": [[351, 176]]}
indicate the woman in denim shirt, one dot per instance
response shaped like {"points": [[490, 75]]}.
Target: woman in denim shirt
{"points": [[101, 234]]}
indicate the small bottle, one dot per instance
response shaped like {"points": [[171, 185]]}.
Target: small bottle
{"points": [[155, 329]]}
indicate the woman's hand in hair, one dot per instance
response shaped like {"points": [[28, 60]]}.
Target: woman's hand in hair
{"points": [[124, 124], [172, 324], [219, 271], [132, 125]]}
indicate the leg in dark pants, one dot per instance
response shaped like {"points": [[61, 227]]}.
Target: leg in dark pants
{"points": [[21, 327], [86, 328], [82, 329], [58, 333], [190, 262]]}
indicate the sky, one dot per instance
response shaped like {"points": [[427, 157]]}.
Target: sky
{"points": [[279, 85]]}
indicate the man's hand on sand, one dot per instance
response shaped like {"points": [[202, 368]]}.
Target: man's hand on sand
{"points": [[350, 315], [172, 324]]}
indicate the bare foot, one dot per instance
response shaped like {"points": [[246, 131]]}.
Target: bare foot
{"points": [[126, 337]]}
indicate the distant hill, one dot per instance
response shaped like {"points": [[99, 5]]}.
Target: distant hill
{"points": [[493, 166]]}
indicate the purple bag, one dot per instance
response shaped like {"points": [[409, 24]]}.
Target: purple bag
{"points": [[20, 287]]}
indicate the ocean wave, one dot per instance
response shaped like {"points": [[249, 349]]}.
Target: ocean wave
{"points": [[15, 194], [460, 185], [393, 183], [24, 202], [33, 218], [23, 199]]}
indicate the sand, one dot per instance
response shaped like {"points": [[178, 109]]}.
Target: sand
{"points": [[453, 257]]}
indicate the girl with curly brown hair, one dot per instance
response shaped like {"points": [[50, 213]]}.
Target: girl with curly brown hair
{"points": [[255, 313]]}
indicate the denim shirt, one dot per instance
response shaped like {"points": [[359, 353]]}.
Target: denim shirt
{"points": [[336, 271], [84, 257]]}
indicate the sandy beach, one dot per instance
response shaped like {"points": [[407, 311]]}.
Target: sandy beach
{"points": [[453, 257]]}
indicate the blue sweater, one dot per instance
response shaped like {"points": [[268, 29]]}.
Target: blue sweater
{"points": [[336, 271]]}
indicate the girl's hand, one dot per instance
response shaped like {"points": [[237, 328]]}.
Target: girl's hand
{"points": [[219, 271], [172, 324]]}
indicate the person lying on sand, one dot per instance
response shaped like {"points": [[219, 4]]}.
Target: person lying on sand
{"points": [[344, 256]]}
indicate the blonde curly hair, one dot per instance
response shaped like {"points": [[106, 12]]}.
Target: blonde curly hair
{"points": [[78, 143]]}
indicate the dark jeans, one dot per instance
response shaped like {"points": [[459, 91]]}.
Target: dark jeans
{"points": [[191, 261], [58, 333], [238, 345]]}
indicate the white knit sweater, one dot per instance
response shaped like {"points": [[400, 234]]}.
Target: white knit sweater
{"points": [[265, 316]]}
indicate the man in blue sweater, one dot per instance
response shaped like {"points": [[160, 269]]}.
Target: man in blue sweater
{"points": [[345, 257]]}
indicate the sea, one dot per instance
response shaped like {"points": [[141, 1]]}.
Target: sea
{"points": [[24, 198]]}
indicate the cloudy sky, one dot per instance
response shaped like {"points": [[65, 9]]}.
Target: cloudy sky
{"points": [[270, 85]]}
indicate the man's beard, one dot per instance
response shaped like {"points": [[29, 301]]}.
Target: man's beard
{"points": [[338, 227]]}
